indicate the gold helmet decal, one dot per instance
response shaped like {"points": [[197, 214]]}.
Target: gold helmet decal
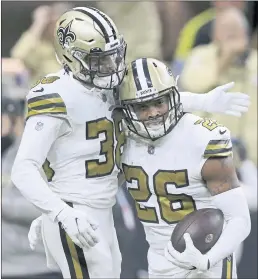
{"points": [[65, 34]]}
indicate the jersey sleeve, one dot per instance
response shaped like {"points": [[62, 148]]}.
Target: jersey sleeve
{"points": [[44, 99], [219, 145], [26, 171], [215, 138], [214, 141], [51, 104]]}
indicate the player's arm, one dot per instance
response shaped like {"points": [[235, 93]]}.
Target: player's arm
{"points": [[216, 101], [222, 182], [219, 173], [46, 122], [39, 134]]}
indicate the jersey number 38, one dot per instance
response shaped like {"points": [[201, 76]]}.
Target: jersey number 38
{"points": [[112, 153]]}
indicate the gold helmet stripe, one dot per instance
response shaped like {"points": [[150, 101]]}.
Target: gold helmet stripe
{"points": [[141, 74], [103, 24]]}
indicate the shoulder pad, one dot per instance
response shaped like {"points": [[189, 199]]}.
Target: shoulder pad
{"points": [[208, 124], [219, 144], [44, 97], [49, 79], [216, 138]]}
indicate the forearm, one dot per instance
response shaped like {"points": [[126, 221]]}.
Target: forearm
{"points": [[192, 102], [32, 152], [237, 224], [27, 178]]}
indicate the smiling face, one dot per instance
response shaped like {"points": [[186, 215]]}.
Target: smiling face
{"points": [[152, 112], [149, 99]]}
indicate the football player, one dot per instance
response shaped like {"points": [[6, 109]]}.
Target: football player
{"points": [[69, 122], [175, 163]]}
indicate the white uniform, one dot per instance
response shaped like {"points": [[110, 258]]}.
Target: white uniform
{"points": [[83, 171], [164, 178]]}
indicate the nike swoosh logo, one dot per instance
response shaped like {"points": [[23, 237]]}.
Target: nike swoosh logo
{"points": [[39, 90], [222, 132]]}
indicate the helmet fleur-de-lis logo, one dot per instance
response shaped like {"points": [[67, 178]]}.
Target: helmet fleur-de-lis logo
{"points": [[65, 35]]}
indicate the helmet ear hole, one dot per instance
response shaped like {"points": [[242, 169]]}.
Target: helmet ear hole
{"points": [[155, 65]]}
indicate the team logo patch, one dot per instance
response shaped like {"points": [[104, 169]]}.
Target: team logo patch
{"points": [[65, 35], [39, 126]]}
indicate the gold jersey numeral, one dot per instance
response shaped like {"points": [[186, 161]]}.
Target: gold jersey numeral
{"points": [[172, 207], [209, 124], [95, 168], [141, 194], [49, 172]]}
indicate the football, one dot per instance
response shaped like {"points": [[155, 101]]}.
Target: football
{"points": [[204, 226]]}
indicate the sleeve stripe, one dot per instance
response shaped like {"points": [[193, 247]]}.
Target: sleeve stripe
{"points": [[46, 102], [218, 152], [216, 145], [43, 97], [46, 111], [213, 142], [47, 106], [218, 148]]}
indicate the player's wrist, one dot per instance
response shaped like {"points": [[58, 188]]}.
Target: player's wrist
{"points": [[192, 102], [62, 213]]}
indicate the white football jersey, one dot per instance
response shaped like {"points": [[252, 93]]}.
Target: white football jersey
{"points": [[164, 176], [83, 162]]}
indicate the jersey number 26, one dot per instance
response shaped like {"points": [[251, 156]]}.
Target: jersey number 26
{"points": [[172, 207]]}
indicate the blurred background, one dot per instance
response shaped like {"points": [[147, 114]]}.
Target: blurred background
{"points": [[206, 43]]}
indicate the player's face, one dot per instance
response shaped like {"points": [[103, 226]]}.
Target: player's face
{"points": [[152, 112], [108, 62], [105, 65]]}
